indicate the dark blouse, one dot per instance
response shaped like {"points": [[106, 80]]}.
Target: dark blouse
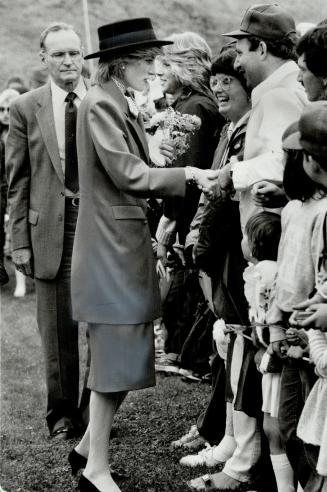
{"points": [[200, 154]]}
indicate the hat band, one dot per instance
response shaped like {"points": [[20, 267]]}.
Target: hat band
{"points": [[127, 39]]}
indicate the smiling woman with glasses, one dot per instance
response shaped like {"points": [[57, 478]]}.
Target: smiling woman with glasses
{"points": [[222, 82], [218, 248]]}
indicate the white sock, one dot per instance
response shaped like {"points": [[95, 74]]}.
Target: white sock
{"points": [[20, 290], [225, 449], [283, 472]]}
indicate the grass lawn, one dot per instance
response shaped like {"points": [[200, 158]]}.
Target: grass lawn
{"points": [[148, 421]]}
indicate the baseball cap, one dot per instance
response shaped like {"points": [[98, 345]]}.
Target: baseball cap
{"points": [[310, 132], [267, 21]]}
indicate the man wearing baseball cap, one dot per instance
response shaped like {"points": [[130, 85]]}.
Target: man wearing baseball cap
{"points": [[265, 45], [266, 53]]}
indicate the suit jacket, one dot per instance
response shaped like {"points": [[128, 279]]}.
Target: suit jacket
{"points": [[113, 269], [36, 190]]}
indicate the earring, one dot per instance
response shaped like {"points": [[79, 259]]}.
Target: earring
{"points": [[123, 67]]}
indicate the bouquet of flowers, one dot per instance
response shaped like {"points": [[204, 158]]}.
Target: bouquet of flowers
{"points": [[175, 127]]}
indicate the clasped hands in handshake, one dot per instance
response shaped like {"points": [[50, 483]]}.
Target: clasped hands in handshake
{"points": [[205, 179]]}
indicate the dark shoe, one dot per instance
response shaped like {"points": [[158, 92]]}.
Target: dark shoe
{"points": [[113, 433], [84, 485], [66, 428], [76, 461], [61, 433], [4, 279]]}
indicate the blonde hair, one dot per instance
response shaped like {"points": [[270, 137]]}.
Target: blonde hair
{"points": [[113, 67], [190, 60], [8, 96]]}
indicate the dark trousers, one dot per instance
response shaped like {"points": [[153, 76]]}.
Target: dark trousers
{"points": [[211, 422], [296, 382], [59, 335], [179, 307]]}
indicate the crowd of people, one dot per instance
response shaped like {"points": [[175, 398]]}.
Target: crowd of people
{"points": [[224, 242]]}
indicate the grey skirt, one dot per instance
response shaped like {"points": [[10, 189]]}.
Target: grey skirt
{"points": [[122, 357]]}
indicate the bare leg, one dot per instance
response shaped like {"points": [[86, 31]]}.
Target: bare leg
{"points": [[83, 446], [103, 407]]}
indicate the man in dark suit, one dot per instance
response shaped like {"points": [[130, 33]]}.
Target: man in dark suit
{"points": [[41, 163]]}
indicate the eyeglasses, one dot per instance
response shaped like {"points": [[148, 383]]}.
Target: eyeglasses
{"points": [[222, 83], [59, 56], [4, 108]]}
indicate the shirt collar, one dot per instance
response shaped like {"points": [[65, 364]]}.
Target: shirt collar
{"points": [[60, 95], [132, 106], [273, 80], [120, 85], [234, 126]]}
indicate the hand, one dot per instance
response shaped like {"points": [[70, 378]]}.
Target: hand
{"points": [[22, 259], [162, 253], [295, 352], [206, 180], [280, 348], [161, 270], [317, 318], [316, 299], [225, 178], [269, 195], [292, 336], [167, 150]]}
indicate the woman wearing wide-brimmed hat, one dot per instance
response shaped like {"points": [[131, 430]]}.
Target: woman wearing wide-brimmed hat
{"points": [[114, 283]]}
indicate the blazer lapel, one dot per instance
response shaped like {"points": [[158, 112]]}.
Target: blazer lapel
{"points": [[135, 125], [45, 119]]}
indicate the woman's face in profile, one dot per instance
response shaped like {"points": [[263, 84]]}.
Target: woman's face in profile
{"points": [[138, 73], [168, 81]]}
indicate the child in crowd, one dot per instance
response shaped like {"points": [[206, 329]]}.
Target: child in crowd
{"points": [[298, 255], [260, 248], [241, 446], [312, 427]]}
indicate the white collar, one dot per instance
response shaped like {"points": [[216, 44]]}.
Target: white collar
{"points": [[132, 106], [234, 126], [273, 80], [60, 95]]}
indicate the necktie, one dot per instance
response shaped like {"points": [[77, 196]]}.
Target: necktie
{"points": [[71, 168]]}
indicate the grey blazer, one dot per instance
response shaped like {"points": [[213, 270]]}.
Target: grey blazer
{"points": [[113, 269], [36, 191]]}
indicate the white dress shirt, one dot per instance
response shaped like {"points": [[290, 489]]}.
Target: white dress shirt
{"points": [[59, 105], [276, 103]]}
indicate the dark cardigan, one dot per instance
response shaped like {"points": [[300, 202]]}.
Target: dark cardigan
{"points": [[200, 154]]}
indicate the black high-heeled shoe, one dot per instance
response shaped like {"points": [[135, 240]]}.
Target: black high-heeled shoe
{"points": [[76, 461], [84, 485]]}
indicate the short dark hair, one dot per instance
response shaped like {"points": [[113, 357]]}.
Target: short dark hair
{"points": [[284, 48], [224, 63], [313, 45], [263, 231], [297, 184]]}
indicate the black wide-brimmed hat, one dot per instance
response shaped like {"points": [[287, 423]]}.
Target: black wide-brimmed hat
{"points": [[126, 36]]}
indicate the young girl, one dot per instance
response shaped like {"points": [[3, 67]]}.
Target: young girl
{"points": [[312, 427], [299, 250], [260, 247]]}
